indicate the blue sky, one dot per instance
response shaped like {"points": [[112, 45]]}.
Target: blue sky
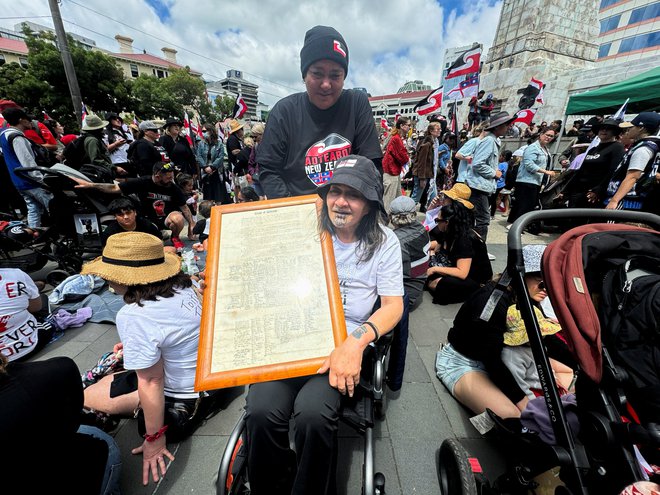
{"points": [[389, 45]]}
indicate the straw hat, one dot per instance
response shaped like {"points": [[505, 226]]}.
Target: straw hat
{"points": [[234, 125], [134, 258], [93, 122], [461, 193]]}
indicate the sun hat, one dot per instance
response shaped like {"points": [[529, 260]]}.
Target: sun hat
{"points": [[461, 193], [532, 254], [361, 174], [402, 204], [649, 120], [148, 125], [114, 115], [93, 123], [258, 129], [611, 123], [134, 258], [234, 125], [172, 121], [323, 43], [520, 151], [499, 119]]}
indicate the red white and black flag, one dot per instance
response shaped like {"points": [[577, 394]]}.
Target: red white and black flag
{"points": [[466, 63], [526, 115], [239, 107], [431, 103]]}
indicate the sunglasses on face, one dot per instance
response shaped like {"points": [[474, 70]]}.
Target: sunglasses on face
{"points": [[440, 220], [541, 285]]}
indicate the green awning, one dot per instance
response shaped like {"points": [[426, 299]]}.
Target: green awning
{"points": [[643, 91]]}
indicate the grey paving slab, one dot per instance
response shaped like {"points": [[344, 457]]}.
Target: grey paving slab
{"points": [[223, 423], [414, 372], [415, 462], [87, 333], [61, 348], [349, 469]]}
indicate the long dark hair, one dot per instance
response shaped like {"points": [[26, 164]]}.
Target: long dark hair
{"points": [[151, 292], [460, 221], [369, 232]]}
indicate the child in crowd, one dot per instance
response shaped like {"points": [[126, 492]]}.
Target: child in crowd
{"points": [[202, 226], [186, 183]]}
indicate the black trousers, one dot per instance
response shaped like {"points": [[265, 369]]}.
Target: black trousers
{"points": [[526, 199], [314, 405]]}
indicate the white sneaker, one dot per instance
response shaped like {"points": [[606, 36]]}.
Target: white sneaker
{"points": [[508, 227], [491, 257]]}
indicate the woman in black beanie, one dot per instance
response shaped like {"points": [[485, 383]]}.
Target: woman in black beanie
{"points": [[307, 133]]}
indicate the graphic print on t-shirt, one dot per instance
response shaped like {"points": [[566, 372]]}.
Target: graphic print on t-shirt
{"points": [[321, 157], [159, 203]]}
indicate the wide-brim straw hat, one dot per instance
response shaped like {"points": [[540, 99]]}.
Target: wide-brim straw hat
{"points": [[134, 258], [461, 193], [93, 123], [234, 125]]}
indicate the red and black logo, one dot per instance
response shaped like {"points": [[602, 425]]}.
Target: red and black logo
{"points": [[322, 156]]}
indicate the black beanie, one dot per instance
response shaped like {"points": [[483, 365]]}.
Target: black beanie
{"points": [[323, 43]]}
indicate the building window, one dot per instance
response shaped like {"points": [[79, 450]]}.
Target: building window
{"points": [[604, 50], [2, 59], [606, 3], [645, 13], [639, 42], [160, 74], [134, 70], [23, 61], [610, 23]]}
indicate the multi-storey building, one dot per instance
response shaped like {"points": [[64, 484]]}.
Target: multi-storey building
{"points": [[235, 84]]}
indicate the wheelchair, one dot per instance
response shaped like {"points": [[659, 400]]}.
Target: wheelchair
{"points": [[359, 412]]}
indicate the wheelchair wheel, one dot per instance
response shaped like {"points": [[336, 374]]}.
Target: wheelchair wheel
{"points": [[237, 482], [454, 470]]}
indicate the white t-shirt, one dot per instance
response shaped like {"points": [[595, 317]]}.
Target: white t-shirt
{"points": [[640, 158], [167, 328], [360, 284], [18, 328]]}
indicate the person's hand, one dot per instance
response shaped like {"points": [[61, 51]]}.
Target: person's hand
{"points": [[153, 458], [193, 237], [208, 170], [120, 171], [448, 171], [82, 184], [119, 346], [551, 173], [592, 197], [498, 173], [344, 364], [612, 205], [468, 159]]}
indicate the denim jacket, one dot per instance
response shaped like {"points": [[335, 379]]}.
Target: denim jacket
{"points": [[534, 159], [217, 155], [481, 175]]}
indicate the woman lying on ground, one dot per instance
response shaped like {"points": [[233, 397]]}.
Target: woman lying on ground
{"points": [[471, 365], [460, 264]]}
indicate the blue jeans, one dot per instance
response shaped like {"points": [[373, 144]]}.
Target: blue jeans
{"points": [[110, 485], [37, 200], [418, 189]]}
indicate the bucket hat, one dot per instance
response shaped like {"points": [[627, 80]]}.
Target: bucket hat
{"points": [[532, 254], [499, 119], [611, 123], [134, 258], [234, 125], [361, 174], [172, 121], [461, 193], [93, 123]]}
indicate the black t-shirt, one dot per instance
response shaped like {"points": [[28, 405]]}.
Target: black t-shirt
{"points": [[180, 153], [472, 247], [141, 225], [233, 143], [143, 154], [597, 167], [302, 143], [157, 201]]}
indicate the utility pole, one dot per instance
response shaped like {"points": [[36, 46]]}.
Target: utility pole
{"points": [[69, 70]]}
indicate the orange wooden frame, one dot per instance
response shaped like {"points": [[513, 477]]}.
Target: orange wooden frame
{"points": [[204, 378]]}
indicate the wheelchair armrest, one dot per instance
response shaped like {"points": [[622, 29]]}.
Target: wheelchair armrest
{"points": [[383, 345]]}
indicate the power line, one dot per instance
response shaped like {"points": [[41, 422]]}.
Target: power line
{"points": [[183, 48], [25, 17]]}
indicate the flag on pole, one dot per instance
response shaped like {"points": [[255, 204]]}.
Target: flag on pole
{"points": [[84, 113], [46, 116], [466, 63], [221, 131], [538, 85], [453, 126], [384, 124], [464, 89], [239, 107], [526, 116], [430, 103], [186, 126], [396, 117], [135, 121], [200, 131], [621, 112]]}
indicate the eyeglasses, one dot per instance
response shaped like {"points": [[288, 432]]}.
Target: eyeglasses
{"points": [[541, 285]]}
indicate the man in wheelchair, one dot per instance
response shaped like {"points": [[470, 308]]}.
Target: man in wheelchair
{"points": [[368, 259]]}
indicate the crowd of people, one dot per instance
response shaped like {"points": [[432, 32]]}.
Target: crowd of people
{"points": [[159, 184]]}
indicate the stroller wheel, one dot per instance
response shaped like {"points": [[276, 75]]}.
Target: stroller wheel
{"points": [[56, 277], [454, 470]]}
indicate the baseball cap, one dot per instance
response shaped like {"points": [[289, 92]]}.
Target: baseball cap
{"points": [[147, 125], [649, 120]]}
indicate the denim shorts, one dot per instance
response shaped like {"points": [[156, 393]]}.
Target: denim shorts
{"points": [[451, 365]]}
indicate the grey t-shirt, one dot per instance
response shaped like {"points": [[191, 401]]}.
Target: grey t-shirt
{"points": [[302, 143]]}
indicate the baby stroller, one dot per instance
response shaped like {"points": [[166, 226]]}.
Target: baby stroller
{"points": [[591, 274], [76, 220]]}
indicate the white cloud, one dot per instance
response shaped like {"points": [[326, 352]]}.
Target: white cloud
{"points": [[390, 42]]}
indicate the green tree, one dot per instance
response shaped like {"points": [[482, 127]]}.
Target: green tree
{"points": [[225, 106], [19, 85], [152, 100]]}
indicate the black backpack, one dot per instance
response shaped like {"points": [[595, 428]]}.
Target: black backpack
{"points": [[41, 154], [74, 152]]}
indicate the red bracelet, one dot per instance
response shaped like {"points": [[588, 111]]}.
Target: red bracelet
{"points": [[155, 436]]}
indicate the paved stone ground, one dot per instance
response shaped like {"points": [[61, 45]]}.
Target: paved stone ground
{"points": [[417, 420]]}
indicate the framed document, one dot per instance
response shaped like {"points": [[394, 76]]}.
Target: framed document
{"points": [[272, 307]]}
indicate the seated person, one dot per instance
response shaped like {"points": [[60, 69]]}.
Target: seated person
{"points": [[187, 185], [368, 260], [201, 229], [461, 257], [247, 195], [127, 220], [471, 365], [415, 245]]}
